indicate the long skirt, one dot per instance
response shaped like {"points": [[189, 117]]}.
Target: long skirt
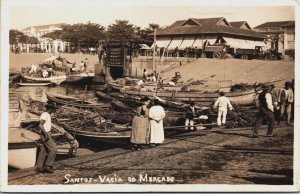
{"points": [[156, 132], [140, 130]]}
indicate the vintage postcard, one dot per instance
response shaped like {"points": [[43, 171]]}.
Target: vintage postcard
{"points": [[149, 96]]}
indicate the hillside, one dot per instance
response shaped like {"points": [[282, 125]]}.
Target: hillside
{"points": [[239, 71]]}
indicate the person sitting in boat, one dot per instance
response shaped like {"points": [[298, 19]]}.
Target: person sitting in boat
{"points": [[33, 68], [81, 66], [141, 83], [73, 69], [45, 73], [153, 77]]}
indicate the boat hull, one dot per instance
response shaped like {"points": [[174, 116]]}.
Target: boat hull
{"points": [[22, 148], [82, 77], [33, 84], [54, 79], [239, 98]]}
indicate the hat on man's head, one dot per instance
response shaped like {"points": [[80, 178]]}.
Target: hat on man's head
{"points": [[50, 106]]}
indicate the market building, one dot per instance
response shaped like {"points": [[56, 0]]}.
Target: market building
{"points": [[45, 44], [280, 34], [194, 32]]}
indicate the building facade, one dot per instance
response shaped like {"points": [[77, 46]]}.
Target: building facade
{"points": [[280, 35], [45, 44], [194, 32]]}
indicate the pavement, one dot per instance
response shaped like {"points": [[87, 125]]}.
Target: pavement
{"points": [[215, 156]]}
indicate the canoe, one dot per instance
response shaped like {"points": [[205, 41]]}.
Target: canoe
{"points": [[53, 79], [103, 96], [33, 84], [22, 148], [201, 98], [80, 77], [74, 102], [120, 135]]}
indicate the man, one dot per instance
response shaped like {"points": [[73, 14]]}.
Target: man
{"points": [[189, 117], [265, 108], [48, 147], [222, 103], [286, 98]]}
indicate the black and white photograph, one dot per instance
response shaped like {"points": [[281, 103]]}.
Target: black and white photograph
{"points": [[149, 96]]}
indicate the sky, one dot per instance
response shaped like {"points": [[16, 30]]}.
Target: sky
{"points": [[23, 15]]}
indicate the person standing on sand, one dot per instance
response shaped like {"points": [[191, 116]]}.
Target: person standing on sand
{"points": [[45, 163], [286, 98], [140, 125], [222, 103], [156, 116], [265, 108], [189, 117]]}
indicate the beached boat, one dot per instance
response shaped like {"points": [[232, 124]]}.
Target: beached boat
{"points": [[119, 83], [201, 98], [55, 79], [73, 101], [80, 77], [112, 134], [22, 148], [33, 84]]}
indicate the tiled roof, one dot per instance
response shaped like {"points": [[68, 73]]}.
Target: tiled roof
{"points": [[206, 26], [39, 27], [237, 24], [276, 24]]}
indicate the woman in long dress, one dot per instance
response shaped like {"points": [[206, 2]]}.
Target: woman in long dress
{"points": [[156, 116], [140, 125]]}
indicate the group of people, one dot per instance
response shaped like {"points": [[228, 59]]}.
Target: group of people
{"points": [[274, 104], [147, 125]]}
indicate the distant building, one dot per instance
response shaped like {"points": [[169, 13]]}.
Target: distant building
{"points": [[284, 30], [194, 32], [46, 44]]}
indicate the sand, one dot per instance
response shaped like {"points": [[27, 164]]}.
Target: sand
{"points": [[237, 70]]}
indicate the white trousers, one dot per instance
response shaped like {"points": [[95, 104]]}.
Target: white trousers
{"points": [[189, 122], [222, 112]]}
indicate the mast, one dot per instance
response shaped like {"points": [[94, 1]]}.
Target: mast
{"points": [[154, 50]]}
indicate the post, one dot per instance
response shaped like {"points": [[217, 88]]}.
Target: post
{"points": [[154, 50]]}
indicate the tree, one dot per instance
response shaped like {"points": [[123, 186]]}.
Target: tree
{"points": [[121, 30], [16, 37]]}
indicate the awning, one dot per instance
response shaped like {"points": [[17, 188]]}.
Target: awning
{"points": [[162, 43], [260, 43], [199, 42], [232, 42], [144, 47], [176, 42], [187, 42]]}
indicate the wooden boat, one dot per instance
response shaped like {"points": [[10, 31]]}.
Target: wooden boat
{"points": [[33, 84], [13, 77], [22, 148], [80, 77], [73, 101], [56, 79], [121, 82], [201, 98], [103, 96], [119, 134]]}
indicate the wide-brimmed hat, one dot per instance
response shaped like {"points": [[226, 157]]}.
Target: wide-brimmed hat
{"points": [[50, 106]]}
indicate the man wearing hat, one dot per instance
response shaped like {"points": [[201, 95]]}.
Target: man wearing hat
{"points": [[266, 108], [286, 98], [48, 147]]}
